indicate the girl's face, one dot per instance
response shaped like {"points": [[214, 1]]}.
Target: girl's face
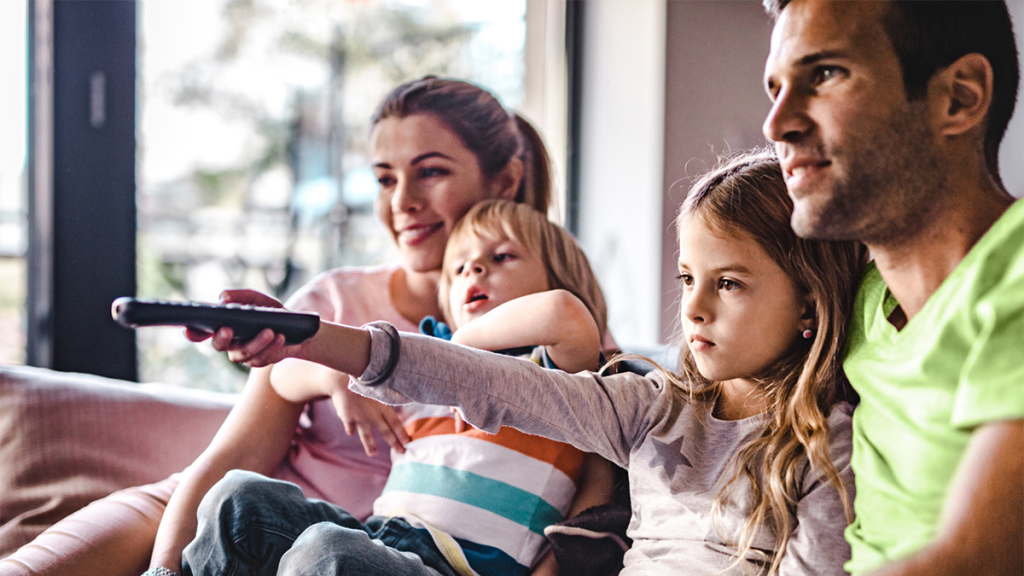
{"points": [[739, 310], [488, 271], [428, 180]]}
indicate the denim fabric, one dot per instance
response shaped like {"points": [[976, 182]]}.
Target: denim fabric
{"points": [[250, 524]]}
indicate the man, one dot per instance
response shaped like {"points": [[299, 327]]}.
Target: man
{"points": [[887, 118]]}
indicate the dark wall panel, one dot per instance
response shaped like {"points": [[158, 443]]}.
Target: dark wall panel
{"points": [[93, 194]]}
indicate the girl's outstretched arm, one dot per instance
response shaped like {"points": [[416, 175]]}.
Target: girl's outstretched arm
{"points": [[555, 319], [607, 415], [342, 348]]}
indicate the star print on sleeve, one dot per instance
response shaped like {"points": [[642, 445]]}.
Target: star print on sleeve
{"points": [[669, 455]]}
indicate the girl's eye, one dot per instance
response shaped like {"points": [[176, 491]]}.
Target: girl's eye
{"points": [[728, 284], [459, 269], [502, 257], [686, 279]]}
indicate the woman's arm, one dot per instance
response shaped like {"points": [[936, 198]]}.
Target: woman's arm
{"points": [[255, 436], [555, 319]]}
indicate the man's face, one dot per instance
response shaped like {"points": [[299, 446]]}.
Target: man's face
{"points": [[859, 159]]}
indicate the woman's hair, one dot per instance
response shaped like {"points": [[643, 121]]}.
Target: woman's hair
{"points": [[485, 128], [566, 264], [745, 195]]}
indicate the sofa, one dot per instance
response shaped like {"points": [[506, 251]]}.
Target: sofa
{"points": [[67, 440]]}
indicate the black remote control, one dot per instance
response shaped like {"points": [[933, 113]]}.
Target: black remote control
{"points": [[245, 321]]}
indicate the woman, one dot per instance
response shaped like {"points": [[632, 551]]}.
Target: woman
{"points": [[439, 146]]}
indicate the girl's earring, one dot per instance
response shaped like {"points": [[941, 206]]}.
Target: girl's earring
{"points": [[807, 334]]}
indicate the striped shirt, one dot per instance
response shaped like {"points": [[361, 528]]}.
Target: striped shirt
{"points": [[492, 493]]}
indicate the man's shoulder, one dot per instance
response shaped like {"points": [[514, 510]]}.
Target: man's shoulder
{"points": [[868, 304]]}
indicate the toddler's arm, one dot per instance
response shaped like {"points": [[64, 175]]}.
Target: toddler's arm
{"points": [[555, 319]]}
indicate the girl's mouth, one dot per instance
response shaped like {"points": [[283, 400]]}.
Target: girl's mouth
{"points": [[700, 344]]}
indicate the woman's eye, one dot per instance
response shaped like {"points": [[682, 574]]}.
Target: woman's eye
{"points": [[432, 171], [728, 285], [386, 181]]}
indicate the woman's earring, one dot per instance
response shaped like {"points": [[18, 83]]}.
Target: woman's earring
{"points": [[808, 334]]}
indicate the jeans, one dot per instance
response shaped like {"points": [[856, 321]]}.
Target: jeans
{"points": [[250, 524]]}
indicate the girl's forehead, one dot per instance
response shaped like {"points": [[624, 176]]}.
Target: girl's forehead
{"points": [[706, 245]]}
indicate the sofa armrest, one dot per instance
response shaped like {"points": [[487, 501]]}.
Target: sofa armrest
{"points": [[68, 439]]}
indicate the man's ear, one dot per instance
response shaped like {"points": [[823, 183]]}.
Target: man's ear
{"points": [[965, 92], [505, 184]]}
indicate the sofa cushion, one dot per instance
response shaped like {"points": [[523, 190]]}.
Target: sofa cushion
{"points": [[67, 439]]}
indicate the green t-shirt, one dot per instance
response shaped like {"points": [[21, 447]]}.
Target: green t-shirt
{"points": [[957, 364]]}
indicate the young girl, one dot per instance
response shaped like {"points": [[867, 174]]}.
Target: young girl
{"points": [[739, 463], [456, 502]]}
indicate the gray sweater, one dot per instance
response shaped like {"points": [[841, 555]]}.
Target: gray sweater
{"points": [[675, 453]]}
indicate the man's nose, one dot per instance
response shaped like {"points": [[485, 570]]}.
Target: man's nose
{"points": [[787, 121]]}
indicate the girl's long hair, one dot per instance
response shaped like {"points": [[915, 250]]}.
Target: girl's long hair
{"points": [[746, 194]]}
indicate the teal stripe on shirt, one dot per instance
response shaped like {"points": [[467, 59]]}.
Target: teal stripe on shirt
{"points": [[494, 496]]}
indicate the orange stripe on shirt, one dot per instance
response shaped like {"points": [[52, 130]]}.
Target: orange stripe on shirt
{"points": [[562, 456]]}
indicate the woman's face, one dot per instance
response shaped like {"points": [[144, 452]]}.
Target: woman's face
{"points": [[428, 180]]}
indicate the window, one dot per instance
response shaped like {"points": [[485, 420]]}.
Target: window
{"points": [[13, 219], [252, 133]]}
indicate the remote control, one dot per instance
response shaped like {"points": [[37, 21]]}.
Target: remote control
{"points": [[245, 321]]}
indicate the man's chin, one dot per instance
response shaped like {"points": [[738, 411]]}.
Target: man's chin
{"points": [[811, 225]]}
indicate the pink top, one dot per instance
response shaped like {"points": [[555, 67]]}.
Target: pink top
{"points": [[324, 460]]}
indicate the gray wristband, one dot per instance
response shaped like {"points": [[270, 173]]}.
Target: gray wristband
{"points": [[159, 571], [395, 349]]}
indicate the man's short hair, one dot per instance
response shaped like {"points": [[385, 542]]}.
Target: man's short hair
{"points": [[928, 35]]}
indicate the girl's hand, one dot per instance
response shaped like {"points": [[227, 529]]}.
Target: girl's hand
{"points": [[265, 349], [364, 415]]}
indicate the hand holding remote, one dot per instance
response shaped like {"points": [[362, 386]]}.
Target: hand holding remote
{"points": [[246, 321]]}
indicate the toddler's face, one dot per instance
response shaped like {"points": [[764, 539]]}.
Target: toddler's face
{"points": [[739, 310], [488, 271]]}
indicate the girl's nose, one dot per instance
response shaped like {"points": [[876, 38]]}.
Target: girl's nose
{"points": [[694, 307]]}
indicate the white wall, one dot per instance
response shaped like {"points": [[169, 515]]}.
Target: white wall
{"points": [[668, 85], [621, 151], [715, 103], [1011, 155]]}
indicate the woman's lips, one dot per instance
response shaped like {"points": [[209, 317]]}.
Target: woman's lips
{"points": [[416, 234]]}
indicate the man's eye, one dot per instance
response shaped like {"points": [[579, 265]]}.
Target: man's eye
{"points": [[825, 73]]}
